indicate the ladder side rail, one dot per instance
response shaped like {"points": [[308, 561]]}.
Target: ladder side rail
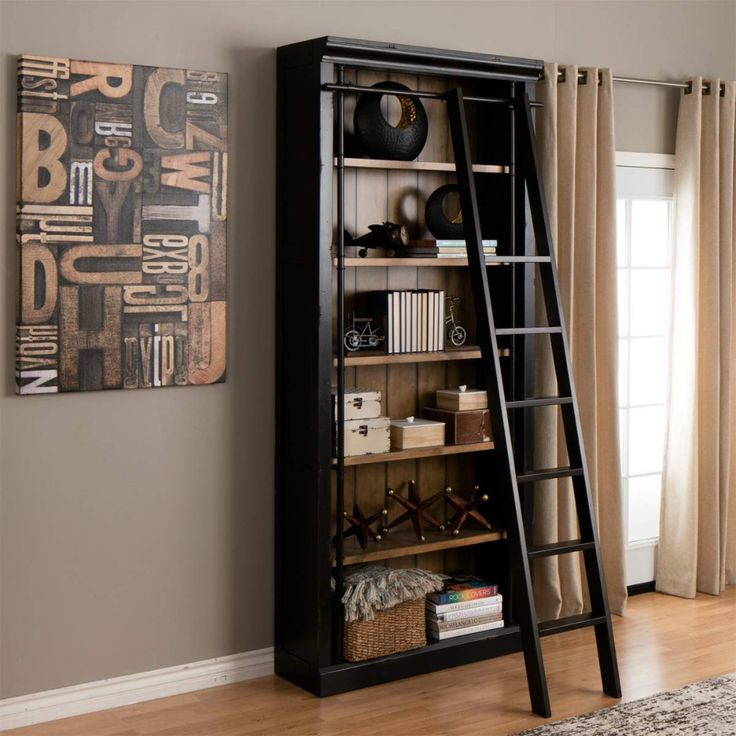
{"points": [[570, 413], [486, 335]]}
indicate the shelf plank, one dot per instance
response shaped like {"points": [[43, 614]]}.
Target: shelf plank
{"points": [[471, 352], [409, 262], [417, 452], [437, 262], [378, 163], [402, 543]]}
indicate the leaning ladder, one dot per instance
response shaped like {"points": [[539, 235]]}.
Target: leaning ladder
{"points": [[509, 475]]}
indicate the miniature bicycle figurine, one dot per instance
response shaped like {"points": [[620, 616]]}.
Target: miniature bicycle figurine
{"points": [[361, 334], [455, 332]]}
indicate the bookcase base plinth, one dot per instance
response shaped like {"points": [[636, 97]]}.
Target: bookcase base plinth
{"points": [[437, 655]]}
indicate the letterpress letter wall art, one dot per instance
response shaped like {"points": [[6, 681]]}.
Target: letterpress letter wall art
{"points": [[122, 191]]}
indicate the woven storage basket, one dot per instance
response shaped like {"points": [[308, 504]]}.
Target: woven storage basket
{"points": [[396, 629]]}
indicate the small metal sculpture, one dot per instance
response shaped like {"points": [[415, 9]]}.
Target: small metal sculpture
{"points": [[362, 334], [388, 236], [438, 223], [416, 510], [466, 509], [455, 331], [360, 526]]}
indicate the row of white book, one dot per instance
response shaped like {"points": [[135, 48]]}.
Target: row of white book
{"points": [[413, 320]]}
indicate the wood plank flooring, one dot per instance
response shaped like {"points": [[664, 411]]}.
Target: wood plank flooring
{"points": [[663, 643]]}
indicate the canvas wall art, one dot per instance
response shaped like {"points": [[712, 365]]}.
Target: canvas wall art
{"points": [[122, 206]]}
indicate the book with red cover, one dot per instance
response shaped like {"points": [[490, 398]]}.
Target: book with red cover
{"points": [[463, 588]]}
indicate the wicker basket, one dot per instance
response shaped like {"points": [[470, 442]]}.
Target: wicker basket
{"points": [[393, 630]]}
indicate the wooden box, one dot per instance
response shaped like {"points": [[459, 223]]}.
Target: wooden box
{"points": [[367, 436], [463, 427], [461, 399], [407, 434], [360, 403]]}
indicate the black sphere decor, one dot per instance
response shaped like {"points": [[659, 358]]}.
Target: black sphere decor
{"points": [[378, 138], [437, 221]]}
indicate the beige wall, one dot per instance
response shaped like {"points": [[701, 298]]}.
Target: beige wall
{"points": [[137, 527]]}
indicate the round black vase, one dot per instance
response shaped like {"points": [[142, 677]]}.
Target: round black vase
{"points": [[434, 215], [378, 138]]}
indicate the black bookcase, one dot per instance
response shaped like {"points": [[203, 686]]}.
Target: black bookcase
{"points": [[323, 186]]}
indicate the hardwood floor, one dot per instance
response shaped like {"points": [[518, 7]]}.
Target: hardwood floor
{"points": [[663, 643]]}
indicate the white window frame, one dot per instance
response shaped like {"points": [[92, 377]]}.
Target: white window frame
{"points": [[642, 175]]}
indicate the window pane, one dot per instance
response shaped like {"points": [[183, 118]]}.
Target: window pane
{"points": [[623, 372], [648, 370], [644, 499], [650, 306], [649, 232], [621, 231], [646, 439], [623, 301], [623, 431]]}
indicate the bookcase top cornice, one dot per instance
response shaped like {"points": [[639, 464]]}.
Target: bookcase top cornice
{"points": [[404, 57]]}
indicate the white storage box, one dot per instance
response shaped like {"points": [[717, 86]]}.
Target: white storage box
{"points": [[367, 436], [360, 403]]}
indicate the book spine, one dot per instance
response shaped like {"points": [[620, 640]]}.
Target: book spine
{"points": [[451, 243], [466, 630], [473, 621], [469, 594], [396, 321], [466, 614], [439, 608], [442, 321]]}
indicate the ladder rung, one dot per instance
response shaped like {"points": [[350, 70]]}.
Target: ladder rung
{"points": [[539, 401], [529, 330], [558, 625], [518, 259], [548, 474], [559, 548]]}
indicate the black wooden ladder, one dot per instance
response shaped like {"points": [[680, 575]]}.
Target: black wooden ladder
{"points": [[509, 475]]}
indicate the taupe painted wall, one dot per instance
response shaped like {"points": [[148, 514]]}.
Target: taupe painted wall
{"points": [[137, 527]]}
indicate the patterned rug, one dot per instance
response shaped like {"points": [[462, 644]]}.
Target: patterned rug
{"points": [[701, 709]]}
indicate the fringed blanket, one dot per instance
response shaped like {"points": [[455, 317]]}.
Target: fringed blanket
{"points": [[373, 588]]}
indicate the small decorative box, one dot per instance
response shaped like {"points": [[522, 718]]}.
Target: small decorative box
{"points": [[463, 427], [409, 433], [462, 398], [367, 436], [360, 403]]}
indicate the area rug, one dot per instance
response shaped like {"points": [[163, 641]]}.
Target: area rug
{"points": [[700, 709]]}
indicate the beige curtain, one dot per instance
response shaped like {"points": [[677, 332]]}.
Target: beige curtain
{"points": [[697, 546], [576, 144]]}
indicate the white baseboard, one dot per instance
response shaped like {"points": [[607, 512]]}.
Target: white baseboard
{"points": [[51, 705]]}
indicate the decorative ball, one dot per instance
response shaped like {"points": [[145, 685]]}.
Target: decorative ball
{"points": [[438, 223], [380, 139]]}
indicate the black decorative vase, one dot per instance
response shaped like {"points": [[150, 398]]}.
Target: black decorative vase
{"points": [[378, 138], [437, 221]]}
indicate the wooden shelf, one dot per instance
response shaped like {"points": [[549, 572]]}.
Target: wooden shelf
{"points": [[418, 452], [470, 352], [378, 163], [402, 543], [410, 262]]}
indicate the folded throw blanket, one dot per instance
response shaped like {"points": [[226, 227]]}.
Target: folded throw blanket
{"points": [[371, 588]]}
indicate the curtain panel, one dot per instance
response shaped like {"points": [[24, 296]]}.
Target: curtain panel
{"points": [[697, 546], [575, 139]]}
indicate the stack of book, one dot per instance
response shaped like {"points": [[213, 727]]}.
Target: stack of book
{"points": [[412, 321], [466, 605], [445, 248]]}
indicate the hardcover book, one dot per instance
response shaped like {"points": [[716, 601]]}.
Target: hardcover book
{"points": [[463, 589]]}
